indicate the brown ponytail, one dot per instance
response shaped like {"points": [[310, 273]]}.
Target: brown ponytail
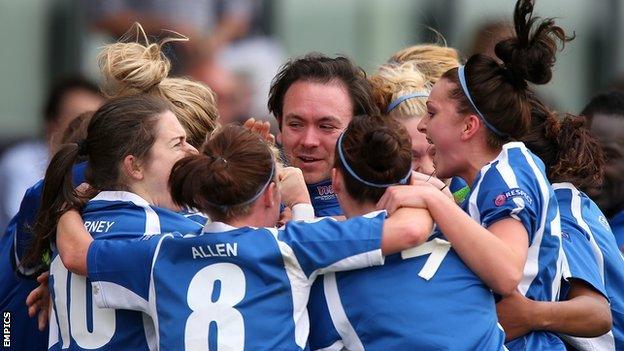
{"points": [[232, 168], [500, 91], [58, 196]]}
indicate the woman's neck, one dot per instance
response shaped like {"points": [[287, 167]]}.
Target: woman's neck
{"points": [[163, 200], [354, 208], [476, 160]]}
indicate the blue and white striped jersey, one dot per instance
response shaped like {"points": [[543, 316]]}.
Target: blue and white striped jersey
{"points": [[76, 322], [515, 185], [231, 288], [593, 256], [14, 287], [424, 298]]}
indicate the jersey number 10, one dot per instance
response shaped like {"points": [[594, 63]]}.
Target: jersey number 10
{"points": [[103, 319]]}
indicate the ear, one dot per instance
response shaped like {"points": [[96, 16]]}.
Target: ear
{"points": [[271, 196], [337, 181], [132, 168], [472, 124]]}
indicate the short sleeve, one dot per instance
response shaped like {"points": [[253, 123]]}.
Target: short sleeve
{"points": [[581, 262], [497, 200], [328, 245], [120, 271]]}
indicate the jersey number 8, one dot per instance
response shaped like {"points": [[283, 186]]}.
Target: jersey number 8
{"points": [[229, 321]]}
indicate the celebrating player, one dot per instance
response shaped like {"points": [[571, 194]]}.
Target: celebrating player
{"points": [[241, 284], [574, 161], [131, 145], [474, 114], [420, 298]]}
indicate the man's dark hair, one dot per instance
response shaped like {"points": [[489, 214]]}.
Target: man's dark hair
{"points": [[319, 68], [609, 103]]}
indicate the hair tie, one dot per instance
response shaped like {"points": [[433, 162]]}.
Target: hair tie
{"points": [[518, 82], [82, 147], [343, 160], [464, 86], [396, 102]]}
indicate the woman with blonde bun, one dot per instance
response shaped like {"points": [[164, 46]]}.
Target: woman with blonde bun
{"points": [[131, 68]]}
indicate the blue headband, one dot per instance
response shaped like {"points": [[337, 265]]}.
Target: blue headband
{"points": [[354, 175], [396, 102], [464, 86], [255, 197]]}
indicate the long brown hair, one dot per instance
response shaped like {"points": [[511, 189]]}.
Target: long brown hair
{"points": [[233, 167], [568, 150], [121, 127], [500, 90]]}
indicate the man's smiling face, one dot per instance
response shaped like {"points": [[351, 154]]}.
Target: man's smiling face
{"points": [[313, 116]]}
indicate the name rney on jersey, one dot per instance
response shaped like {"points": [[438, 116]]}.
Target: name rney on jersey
{"points": [[98, 226], [215, 250]]}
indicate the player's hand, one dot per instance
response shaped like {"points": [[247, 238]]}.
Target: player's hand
{"points": [[262, 128], [399, 196], [285, 217], [292, 186], [421, 178], [514, 314], [38, 301]]}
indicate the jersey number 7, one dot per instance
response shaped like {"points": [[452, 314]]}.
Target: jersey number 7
{"points": [[436, 249]]}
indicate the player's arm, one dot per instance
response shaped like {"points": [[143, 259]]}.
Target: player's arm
{"points": [[586, 313], [72, 242], [405, 228], [497, 259]]}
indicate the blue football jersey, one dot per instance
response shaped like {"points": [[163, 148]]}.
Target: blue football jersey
{"points": [[231, 288], [14, 287], [617, 226], [515, 185], [424, 298], [76, 322], [21, 331], [593, 256], [324, 200]]}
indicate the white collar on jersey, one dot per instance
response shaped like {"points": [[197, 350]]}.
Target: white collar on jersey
{"points": [[121, 196], [217, 227]]}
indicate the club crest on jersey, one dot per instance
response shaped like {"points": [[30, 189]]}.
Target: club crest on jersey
{"points": [[566, 236], [604, 222], [501, 199], [325, 192]]}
